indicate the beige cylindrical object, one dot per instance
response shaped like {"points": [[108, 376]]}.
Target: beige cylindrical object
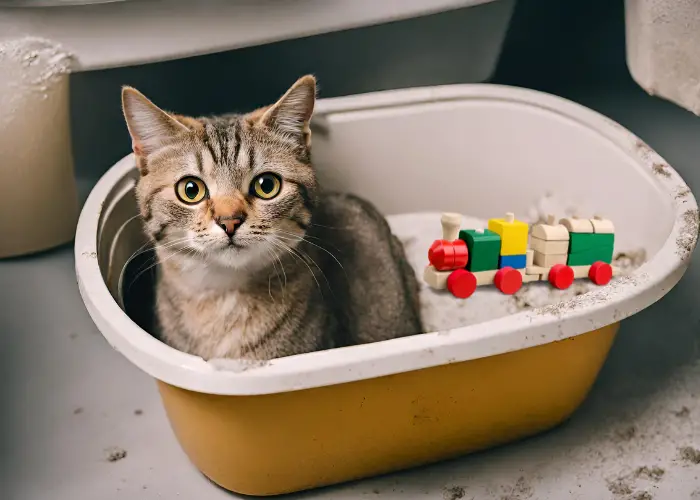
{"points": [[450, 226], [38, 205]]}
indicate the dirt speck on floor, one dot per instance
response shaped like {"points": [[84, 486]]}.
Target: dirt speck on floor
{"points": [[138, 412], [690, 454], [77, 411], [626, 434], [683, 412], [619, 487], [73, 336], [661, 169], [642, 495], [654, 473], [115, 454], [519, 491], [453, 492]]}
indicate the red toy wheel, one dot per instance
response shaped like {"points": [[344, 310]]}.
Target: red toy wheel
{"points": [[508, 280], [561, 276], [600, 273], [461, 283]]}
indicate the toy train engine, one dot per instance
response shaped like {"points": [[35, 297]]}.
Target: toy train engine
{"points": [[500, 255]]}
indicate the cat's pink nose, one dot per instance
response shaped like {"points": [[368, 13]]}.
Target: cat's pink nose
{"points": [[230, 223]]}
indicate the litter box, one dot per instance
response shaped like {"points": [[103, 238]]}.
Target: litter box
{"points": [[327, 417]]}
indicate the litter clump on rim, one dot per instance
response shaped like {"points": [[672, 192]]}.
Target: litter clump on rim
{"points": [[688, 236], [598, 296]]}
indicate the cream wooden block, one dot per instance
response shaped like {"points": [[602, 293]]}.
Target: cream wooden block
{"points": [[450, 225], [549, 247], [581, 271], [550, 231], [549, 260], [576, 225], [528, 277], [485, 277], [536, 270], [436, 279], [601, 225]]}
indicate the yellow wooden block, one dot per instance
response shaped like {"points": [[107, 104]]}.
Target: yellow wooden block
{"points": [[513, 234]]}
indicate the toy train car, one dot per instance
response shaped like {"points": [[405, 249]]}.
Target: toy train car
{"points": [[500, 255]]}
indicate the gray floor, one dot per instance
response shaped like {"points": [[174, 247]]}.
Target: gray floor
{"points": [[68, 399]]}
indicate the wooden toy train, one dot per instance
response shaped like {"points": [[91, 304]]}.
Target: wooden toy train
{"points": [[558, 253]]}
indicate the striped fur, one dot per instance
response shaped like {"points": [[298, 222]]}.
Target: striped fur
{"points": [[298, 274]]}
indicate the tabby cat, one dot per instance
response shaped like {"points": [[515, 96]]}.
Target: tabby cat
{"points": [[255, 262]]}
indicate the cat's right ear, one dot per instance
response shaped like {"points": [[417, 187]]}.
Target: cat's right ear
{"points": [[149, 126]]}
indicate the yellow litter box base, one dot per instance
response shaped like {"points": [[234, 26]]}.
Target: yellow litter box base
{"points": [[286, 442]]}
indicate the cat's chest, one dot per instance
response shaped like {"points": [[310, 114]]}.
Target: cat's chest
{"points": [[232, 313]]}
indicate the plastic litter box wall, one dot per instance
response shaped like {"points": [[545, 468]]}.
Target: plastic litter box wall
{"points": [[663, 42]]}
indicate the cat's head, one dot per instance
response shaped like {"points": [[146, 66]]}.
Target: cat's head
{"points": [[230, 189]]}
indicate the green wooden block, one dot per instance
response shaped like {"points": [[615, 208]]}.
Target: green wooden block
{"points": [[588, 257], [582, 242], [484, 249]]}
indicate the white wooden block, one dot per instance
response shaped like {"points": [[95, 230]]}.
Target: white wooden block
{"points": [[576, 225], [549, 260], [436, 279], [549, 247], [450, 225], [485, 277], [601, 225]]}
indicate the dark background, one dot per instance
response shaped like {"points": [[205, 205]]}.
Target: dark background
{"points": [[552, 45]]}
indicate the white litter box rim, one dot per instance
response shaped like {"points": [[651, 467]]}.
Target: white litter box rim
{"points": [[621, 298]]}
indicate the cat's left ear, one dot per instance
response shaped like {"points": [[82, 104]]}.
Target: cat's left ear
{"points": [[292, 113], [149, 126]]}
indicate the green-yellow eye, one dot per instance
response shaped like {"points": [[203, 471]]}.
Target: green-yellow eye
{"points": [[191, 190], [266, 186]]}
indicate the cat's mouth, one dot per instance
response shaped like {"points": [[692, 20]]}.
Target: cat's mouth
{"points": [[233, 244]]}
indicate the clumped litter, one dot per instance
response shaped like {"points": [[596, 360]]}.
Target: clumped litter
{"points": [[683, 412], [655, 473], [690, 454], [115, 454], [689, 233], [453, 493], [519, 491], [442, 311]]}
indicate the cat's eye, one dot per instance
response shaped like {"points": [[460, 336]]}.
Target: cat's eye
{"points": [[191, 190], [266, 186]]}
